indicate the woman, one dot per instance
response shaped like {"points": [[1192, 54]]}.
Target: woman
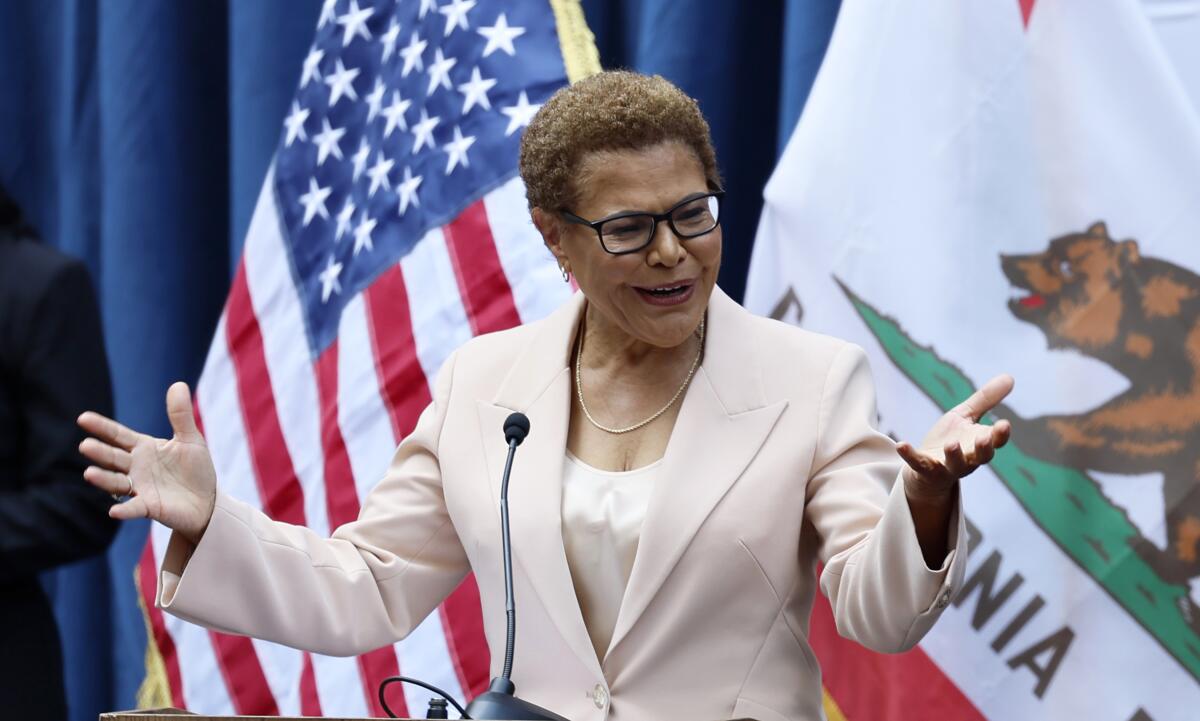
{"points": [[688, 467]]}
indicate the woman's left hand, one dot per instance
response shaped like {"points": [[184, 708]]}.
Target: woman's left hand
{"points": [[955, 446]]}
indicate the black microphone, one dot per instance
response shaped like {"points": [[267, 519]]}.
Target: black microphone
{"points": [[499, 701]]}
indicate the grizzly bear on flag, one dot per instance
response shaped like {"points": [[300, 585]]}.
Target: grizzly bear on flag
{"points": [[1141, 316]]}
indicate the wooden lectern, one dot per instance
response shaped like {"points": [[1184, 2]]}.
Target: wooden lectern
{"points": [[174, 714]]}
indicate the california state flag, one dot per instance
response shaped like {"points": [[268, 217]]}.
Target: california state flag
{"points": [[987, 186]]}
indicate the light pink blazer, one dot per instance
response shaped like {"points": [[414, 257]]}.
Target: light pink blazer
{"points": [[773, 466]]}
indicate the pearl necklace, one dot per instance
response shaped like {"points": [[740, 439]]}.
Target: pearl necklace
{"points": [[634, 427]]}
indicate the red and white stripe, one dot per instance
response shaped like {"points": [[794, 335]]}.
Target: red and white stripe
{"points": [[305, 440]]}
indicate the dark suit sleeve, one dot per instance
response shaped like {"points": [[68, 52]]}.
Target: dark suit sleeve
{"points": [[50, 515]]}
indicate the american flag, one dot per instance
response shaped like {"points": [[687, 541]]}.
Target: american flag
{"points": [[391, 228]]}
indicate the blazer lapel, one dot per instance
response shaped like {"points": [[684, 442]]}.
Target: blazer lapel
{"points": [[540, 387], [723, 422]]}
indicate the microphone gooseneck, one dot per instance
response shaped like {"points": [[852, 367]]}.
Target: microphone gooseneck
{"points": [[499, 701], [516, 427]]}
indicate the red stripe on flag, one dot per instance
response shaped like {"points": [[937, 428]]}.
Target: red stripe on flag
{"points": [[378, 666], [402, 381], [196, 415], [148, 576], [310, 700], [243, 675], [486, 294], [868, 685], [1026, 10], [236, 657], [342, 498], [462, 621], [405, 392], [280, 489]]}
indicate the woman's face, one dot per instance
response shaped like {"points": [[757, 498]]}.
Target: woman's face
{"points": [[630, 290]]}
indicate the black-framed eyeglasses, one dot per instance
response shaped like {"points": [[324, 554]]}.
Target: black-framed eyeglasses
{"points": [[622, 233]]}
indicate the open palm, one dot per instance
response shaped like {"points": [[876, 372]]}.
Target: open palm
{"points": [[170, 481], [957, 444]]}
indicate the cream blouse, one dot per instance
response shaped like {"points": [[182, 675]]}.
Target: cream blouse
{"points": [[602, 514]]}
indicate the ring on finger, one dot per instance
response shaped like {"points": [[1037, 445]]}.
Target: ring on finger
{"points": [[128, 494]]}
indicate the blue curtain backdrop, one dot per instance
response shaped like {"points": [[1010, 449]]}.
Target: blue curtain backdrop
{"points": [[136, 134]]}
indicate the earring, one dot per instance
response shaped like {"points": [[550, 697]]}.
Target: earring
{"points": [[566, 276]]}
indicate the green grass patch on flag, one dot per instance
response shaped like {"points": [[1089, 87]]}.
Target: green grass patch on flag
{"points": [[1066, 503]]}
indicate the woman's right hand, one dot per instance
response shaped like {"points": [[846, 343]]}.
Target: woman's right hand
{"points": [[172, 482]]}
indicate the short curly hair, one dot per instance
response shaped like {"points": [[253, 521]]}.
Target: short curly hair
{"points": [[611, 110]]}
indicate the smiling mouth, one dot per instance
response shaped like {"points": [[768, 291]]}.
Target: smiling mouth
{"points": [[668, 294], [667, 291]]}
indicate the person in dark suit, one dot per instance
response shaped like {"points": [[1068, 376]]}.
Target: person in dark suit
{"points": [[52, 367]]}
